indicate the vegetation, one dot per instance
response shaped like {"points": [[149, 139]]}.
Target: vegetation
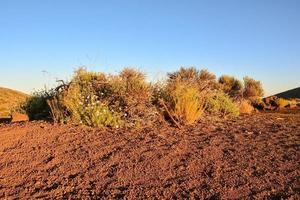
{"points": [[99, 99], [203, 79], [220, 103], [253, 89], [231, 86], [36, 106], [184, 104], [245, 107], [126, 99]]}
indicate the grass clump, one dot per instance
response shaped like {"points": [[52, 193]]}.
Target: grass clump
{"points": [[184, 104], [245, 107], [183, 94]]}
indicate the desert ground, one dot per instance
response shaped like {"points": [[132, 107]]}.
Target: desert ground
{"points": [[250, 157], [9, 99]]}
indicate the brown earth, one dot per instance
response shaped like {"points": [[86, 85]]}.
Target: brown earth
{"points": [[19, 117], [252, 157], [10, 99]]}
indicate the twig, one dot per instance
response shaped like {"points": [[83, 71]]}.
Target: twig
{"points": [[166, 108]]}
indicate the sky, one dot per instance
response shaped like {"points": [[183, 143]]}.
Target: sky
{"points": [[42, 41]]}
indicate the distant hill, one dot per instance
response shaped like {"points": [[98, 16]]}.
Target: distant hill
{"points": [[290, 94], [8, 99]]}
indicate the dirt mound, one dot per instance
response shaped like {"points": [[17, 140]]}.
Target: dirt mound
{"points": [[250, 157], [8, 99]]}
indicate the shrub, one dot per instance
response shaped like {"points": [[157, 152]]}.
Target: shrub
{"points": [[203, 79], [130, 94], [231, 86], [220, 103], [190, 75], [207, 80], [245, 107], [97, 99], [36, 106], [77, 102], [252, 88], [184, 104]]}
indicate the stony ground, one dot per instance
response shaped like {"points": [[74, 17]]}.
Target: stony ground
{"points": [[251, 157]]}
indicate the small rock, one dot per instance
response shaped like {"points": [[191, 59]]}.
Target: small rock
{"points": [[19, 117]]}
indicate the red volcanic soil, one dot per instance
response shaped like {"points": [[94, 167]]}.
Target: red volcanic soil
{"points": [[251, 157]]}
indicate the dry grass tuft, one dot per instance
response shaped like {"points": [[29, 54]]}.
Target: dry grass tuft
{"points": [[186, 104], [245, 107]]}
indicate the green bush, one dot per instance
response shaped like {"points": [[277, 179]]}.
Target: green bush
{"points": [[220, 103], [97, 99], [77, 102], [36, 106]]}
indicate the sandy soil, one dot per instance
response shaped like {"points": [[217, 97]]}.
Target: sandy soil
{"points": [[252, 157]]}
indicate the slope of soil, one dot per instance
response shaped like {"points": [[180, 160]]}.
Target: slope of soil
{"points": [[9, 99], [252, 157], [290, 94]]}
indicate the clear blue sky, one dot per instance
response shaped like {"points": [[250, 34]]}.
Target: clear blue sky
{"points": [[259, 38]]}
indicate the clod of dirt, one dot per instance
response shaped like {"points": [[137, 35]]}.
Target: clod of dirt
{"points": [[18, 117]]}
